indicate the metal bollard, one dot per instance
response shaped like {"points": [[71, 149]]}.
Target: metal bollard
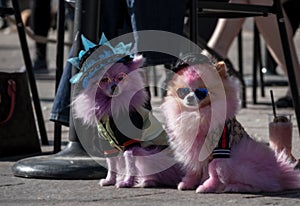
{"points": [[73, 162]]}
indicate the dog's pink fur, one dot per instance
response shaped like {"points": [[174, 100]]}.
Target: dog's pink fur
{"points": [[252, 166], [129, 168], [94, 103]]}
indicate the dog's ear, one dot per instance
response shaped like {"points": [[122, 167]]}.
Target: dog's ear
{"points": [[222, 69], [137, 62]]}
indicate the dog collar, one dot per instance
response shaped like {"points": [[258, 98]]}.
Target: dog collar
{"points": [[223, 148], [232, 134]]}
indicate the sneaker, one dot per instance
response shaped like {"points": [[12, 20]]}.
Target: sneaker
{"points": [[284, 102], [40, 66]]}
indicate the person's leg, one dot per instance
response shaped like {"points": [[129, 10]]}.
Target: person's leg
{"points": [[41, 18], [114, 18], [224, 34], [268, 28], [3, 3], [60, 112], [227, 30], [3, 22], [291, 8]]}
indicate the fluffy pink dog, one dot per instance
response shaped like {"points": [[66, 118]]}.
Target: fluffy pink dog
{"points": [[136, 147], [217, 153]]}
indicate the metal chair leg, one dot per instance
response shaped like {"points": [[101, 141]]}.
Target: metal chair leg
{"points": [[28, 65], [288, 59]]}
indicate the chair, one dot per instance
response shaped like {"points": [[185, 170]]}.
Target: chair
{"points": [[257, 66], [234, 10]]}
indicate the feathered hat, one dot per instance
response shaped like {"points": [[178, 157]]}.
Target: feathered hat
{"points": [[103, 54]]}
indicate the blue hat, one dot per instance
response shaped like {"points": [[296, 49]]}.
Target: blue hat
{"points": [[106, 54]]}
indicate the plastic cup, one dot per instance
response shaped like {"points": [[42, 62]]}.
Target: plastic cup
{"points": [[280, 133]]}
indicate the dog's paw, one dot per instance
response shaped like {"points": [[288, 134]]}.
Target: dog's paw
{"points": [[125, 183], [185, 186], [107, 182], [205, 189], [147, 183]]}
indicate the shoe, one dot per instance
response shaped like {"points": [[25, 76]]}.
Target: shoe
{"points": [[270, 72], [297, 166], [3, 23], [40, 66], [284, 102]]}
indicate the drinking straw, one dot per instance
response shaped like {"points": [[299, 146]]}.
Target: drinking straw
{"points": [[273, 104]]}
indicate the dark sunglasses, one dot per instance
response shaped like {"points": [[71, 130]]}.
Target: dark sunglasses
{"points": [[200, 93]]}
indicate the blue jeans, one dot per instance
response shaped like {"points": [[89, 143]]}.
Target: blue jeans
{"points": [[61, 106], [112, 24]]}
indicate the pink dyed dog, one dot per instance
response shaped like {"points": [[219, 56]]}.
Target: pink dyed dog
{"points": [[136, 148], [217, 153]]}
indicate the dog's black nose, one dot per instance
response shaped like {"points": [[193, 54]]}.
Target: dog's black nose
{"points": [[190, 98], [113, 89]]}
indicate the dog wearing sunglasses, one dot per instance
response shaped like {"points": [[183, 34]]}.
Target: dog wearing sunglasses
{"points": [[215, 150], [135, 146]]}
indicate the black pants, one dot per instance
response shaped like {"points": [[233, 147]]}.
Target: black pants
{"points": [[40, 23], [114, 18]]}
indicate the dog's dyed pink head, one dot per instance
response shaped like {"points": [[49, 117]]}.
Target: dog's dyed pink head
{"points": [[190, 117], [119, 88], [201, 86], [197, 116]]}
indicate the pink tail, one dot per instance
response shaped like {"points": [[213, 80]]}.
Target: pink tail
{"points": [[290, 177]]}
